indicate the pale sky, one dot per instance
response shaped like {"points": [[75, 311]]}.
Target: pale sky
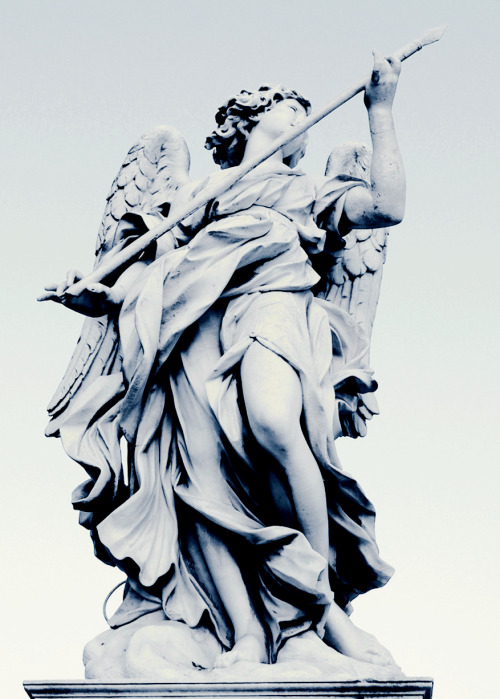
{"points": [[81, 81]]}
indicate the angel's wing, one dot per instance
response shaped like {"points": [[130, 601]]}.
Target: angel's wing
{"points": [[354, 278], [155, 167], [355, 274]]}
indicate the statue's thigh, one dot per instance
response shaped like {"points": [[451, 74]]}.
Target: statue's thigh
{"points": [[272, 392]]}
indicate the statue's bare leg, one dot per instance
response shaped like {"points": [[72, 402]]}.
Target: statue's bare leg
{"points": [[273, 401], [249, 636]]}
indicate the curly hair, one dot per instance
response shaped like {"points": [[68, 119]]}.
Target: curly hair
{"points": [[237, 117]]}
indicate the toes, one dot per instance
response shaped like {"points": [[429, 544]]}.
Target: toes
{"points": [[380, 656]]}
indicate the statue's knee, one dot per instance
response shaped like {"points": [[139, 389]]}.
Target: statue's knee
{"points": [[274, 429]]}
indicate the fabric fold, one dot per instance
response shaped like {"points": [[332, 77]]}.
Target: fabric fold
{"points": [[195, 477]]}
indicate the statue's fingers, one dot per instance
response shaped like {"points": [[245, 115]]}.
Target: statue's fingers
{"points": [[378, 60], [378, 67], [49, 296], [98, 288], [50, 287], [72, 276], [395, 63], [61, 288]]}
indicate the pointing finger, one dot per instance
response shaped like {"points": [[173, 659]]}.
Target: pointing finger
{"points": [[378, 59], [378, 64], [50, 296]]}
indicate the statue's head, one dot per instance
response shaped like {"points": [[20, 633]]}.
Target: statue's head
{"points": [[239, 115]]}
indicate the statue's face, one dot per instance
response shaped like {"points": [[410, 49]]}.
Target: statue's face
{"points": [[279, 119]]}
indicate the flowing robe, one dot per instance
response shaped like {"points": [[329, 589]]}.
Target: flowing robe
{"points": [[196, 476]]}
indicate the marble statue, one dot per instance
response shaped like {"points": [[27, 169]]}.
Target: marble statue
{"points": [[213, 375]]}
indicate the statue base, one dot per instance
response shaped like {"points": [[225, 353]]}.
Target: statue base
{"points": [[416, 688]]}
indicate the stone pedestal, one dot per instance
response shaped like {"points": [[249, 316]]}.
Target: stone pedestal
{"points": [[417, 688]]}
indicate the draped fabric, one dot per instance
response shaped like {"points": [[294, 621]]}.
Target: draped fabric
{"points": [[196, 476]]}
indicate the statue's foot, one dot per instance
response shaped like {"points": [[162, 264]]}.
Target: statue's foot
{"points": [[350, 640], [308, 654], [363, 646], [248, 648]]}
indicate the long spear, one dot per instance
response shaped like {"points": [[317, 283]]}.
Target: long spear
{"points": [[223, 183]]}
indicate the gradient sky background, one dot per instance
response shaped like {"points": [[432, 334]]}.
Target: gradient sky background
{"points": [[81, 81]]}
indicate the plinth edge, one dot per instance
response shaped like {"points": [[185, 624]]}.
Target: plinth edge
{"points": [[415, 688]]}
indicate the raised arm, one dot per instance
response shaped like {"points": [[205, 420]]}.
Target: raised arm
{"points": [[383, 203]]}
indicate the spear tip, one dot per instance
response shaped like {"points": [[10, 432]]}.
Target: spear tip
{"points": [[432, 35], [428, 37]]}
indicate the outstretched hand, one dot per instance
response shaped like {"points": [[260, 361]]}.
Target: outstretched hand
{"points": [[381, 87], [95, 300]]}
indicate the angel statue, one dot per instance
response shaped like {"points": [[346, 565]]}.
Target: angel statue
{"points": [[223, 362]]}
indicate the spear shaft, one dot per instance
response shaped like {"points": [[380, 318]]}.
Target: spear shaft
{"points": [[224, 182]]}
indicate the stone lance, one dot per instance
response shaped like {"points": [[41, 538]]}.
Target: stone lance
{"points": [[223, 183]]}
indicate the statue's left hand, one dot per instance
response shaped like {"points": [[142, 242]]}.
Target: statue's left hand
{"points": [[381, 87], [95, 300]]}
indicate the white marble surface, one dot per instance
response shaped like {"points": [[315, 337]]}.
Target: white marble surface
{"points": [[168, 651]]}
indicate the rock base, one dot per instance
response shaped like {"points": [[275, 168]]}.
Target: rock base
{"points": [[152, 649]]}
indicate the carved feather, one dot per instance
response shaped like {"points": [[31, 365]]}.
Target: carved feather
{"points": [[96, 353], [154, 168]]}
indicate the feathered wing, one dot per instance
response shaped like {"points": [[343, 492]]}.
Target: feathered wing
{"points": [[155, 167], [355, 275]]}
